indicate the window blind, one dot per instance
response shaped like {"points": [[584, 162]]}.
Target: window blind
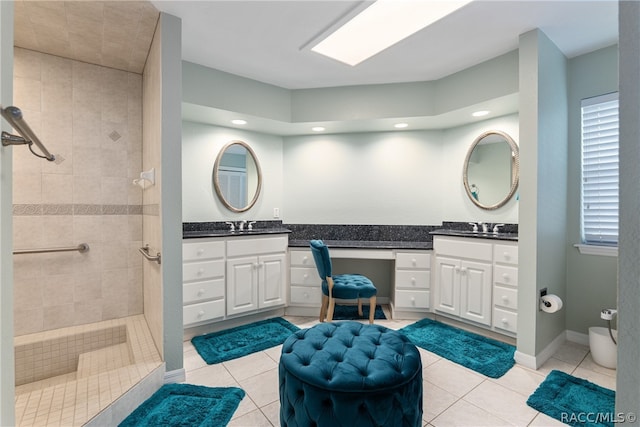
{"points": [[600, 170]]}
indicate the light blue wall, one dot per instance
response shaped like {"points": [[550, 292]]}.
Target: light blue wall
{"points": [[7, 373], [591, 279], [200, 145], [409, 177]]}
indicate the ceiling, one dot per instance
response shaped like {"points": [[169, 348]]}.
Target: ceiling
{"points": [[269, 41]]}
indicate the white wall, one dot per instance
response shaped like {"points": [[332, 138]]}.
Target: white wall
{"points": [[456, 206], [404, 178], [200, 146]]}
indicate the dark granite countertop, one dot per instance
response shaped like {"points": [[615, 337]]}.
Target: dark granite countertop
{"points": [[476, 234], [195, 234], [364, 244]]}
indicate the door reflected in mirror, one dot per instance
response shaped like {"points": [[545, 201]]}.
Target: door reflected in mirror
{"points": [[237, 177], [491, 170]]}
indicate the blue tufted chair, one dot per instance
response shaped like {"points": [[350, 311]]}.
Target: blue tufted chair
{"points": [[341, 286]]}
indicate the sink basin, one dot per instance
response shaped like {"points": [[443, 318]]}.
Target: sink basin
{"points": [[477, 234]]}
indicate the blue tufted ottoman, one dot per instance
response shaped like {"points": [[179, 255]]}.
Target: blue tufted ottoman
{"points": [[349, 374]]}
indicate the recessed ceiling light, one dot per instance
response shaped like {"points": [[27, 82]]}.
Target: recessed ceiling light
{"points": [[381, 25], [400, 125], [317, 129], [239, 122], [480, 113]]}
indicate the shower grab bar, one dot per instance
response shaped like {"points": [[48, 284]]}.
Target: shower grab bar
{"points": [[13, 116], [145, 252], [82, 247]]}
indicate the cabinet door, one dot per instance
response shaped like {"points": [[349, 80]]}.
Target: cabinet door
{"points": [[242, 285], [447, 289], [475, 291], [271, 289]]}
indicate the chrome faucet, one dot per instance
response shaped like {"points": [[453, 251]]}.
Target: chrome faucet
{"points": [[496, 228], [250, 226], [241, 225], [475, 227], [484, 225], [232, 226]]}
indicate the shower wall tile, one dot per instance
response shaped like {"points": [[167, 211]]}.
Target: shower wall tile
{"points": [[90, 118], [57, 188], [27, 188]]}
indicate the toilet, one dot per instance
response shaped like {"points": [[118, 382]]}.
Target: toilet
{"points": [[603, 350]]}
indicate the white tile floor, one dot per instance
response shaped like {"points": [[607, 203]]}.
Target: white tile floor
{"points": [[453, 395]]}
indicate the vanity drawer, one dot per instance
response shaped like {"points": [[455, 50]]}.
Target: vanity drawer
{"points": [[463, 248], [305, 276], [505, 275], [244, 247], [505, 297], [196, 313], [193, 251], [413, 279], [413, 260], [506, 320], [506, 254], [202, 291], [411, 299], [203, 270], [310, 295], [303, 258]]}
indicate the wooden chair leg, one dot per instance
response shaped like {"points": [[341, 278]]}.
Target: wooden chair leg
{"points": [[359, 307], [332, 304], [323, 307], [372, 308]]}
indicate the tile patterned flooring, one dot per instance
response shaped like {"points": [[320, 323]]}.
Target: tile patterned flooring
{"points": [[453, 395]]}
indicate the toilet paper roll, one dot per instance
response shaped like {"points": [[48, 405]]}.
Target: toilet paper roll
{"points": [[550, 303]]}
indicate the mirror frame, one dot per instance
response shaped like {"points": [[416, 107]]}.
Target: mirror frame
{"points": [[216, 179], [515, 169]]}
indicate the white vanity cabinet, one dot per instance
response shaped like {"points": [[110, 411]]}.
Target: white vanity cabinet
{"points": [[228, 276], [477, 280], [203, 277], [505, 286], [412, 282], [463, 272], [306, 286], [256, 270]]}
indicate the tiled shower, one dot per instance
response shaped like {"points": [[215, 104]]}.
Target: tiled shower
{"points": [[90, 117]]}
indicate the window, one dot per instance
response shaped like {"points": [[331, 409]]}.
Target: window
{"points": [[600, 170]]}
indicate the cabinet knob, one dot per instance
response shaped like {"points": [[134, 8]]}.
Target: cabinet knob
{"points": [[505, 321], [413, 299], [200, 292], [463, 270], [505, 298], [413, 280], [505, 276], [201, 313], [457, 269], [306, 295], [305, 259], [306, 276], [200, 271], [506, 255], [413, 261], [200, 251]]}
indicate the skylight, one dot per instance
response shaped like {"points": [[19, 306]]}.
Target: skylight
{"points": [[383, 24]]}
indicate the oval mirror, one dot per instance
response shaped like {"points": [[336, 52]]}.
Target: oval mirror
{"points": [[491, 170], [237, 178]]}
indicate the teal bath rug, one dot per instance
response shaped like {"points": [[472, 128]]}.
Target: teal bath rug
{"points": [[574, 401], [350, 312], [186, 405], [481, 354], [236, 342]]}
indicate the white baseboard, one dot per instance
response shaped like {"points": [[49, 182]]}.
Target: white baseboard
{"points": [[535, 362], [578, 337], [175, 376]]}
